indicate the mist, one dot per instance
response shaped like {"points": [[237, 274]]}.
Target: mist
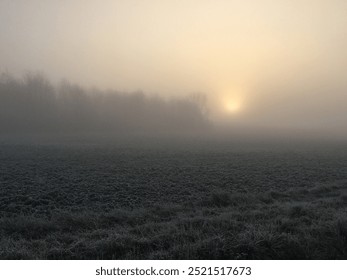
{"points": [[34, 109], [164, 130], [265, 68], [32, 105]]}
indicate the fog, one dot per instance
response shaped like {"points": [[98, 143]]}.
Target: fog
{"points": [[227, 69], [33, 105]]}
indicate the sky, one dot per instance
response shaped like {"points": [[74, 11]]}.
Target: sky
{"points": [[263, 64]]}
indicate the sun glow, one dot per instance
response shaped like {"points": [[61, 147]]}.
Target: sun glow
{"points": [[233, 106]]}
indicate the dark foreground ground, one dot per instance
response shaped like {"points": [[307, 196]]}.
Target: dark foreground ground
{"points": [[94, 202]]}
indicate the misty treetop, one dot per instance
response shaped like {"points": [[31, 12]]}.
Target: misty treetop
{"points": [[34, 105]]}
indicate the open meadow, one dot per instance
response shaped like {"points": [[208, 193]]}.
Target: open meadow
{"points": [[108, 202]]}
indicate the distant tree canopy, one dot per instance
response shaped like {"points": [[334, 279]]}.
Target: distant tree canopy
{"points": [[33, 105]]}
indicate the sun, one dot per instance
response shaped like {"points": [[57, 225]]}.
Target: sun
{"points": [[231, 103], [233, 106]]}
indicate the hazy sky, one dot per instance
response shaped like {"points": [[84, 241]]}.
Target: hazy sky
{"points": [[264, 63]]}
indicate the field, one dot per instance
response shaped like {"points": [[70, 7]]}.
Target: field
{"points": [[108, 202]]}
